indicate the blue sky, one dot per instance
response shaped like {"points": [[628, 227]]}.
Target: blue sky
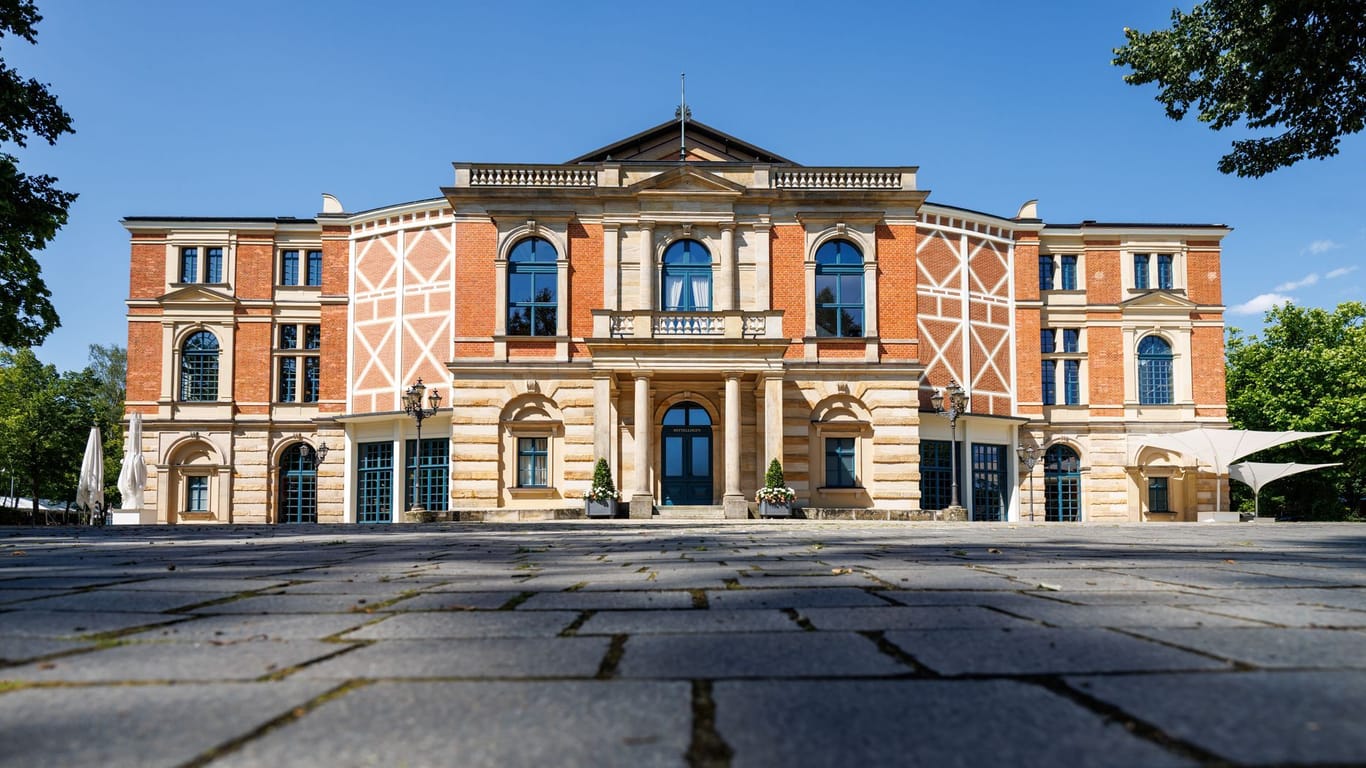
{"points": [[254, 108]]}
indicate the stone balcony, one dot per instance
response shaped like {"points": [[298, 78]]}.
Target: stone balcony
{"points": [[649, 324]]}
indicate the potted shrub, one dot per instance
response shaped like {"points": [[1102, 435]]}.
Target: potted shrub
{"points": [[601, 499], [775, 498]]}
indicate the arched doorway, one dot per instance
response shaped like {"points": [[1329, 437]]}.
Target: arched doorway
{"points": [[298, 485], [686, 456], [1061, 485]]}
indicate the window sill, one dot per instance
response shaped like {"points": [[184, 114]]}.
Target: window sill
{"points": [[546, 492], [841, 490]]}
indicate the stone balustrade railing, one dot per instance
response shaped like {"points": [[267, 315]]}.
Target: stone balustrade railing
{"points": [[842, 178], [647, 324], [531, 176]]}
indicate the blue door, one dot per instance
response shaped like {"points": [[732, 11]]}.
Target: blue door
{"points": [[298, 485], [686, 456], [988, 481]]}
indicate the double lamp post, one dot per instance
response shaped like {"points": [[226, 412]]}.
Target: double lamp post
{"points": [[412, 403]]}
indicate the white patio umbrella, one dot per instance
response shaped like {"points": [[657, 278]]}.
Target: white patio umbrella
{"points": [[1258, 474], [1221, 447], [90, 487], [133, 473]]}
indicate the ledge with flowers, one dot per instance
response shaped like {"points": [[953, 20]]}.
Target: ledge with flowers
{"points": [[775, 498]]}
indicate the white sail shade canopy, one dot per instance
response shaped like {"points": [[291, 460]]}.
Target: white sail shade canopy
{"points": [[90, 486], [1258, 474]]}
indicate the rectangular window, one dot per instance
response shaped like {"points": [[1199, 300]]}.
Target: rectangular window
{"points": [[1047, 340], [936, 474], [1154, 380], [315, 270], [1164, 271], [988, 481], [289, 378], [1141, 271], [197, 493], [839, 463], [311, 380], [1049, 377], [1157, 495], [213, 258], [1071, 340], [189, 265], [289, 268], [313, 335], [375, 483], [1045, 273], [432, 467], [289, 337], [1069, 273], [533, 462], [1071, 381]]}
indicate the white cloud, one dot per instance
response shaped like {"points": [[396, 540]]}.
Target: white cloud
{"points": [[1322, 246], [1260, 304], [1303, 282], [1341, 272]]}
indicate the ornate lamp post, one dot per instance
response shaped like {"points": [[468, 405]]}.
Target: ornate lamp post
{"points": [[958, 405], [1029, 457], [412, 403]]}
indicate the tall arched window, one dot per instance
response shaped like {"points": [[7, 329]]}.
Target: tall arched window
{"points": [[532, 287], [1061, 485], [298, 485], [199, 368], [839, 289], [1154, 371], [687, 278]]}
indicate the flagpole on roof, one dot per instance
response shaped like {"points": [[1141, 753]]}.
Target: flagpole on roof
{"points": [[683, 117]]}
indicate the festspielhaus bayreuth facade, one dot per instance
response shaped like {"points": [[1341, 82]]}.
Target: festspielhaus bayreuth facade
{"points": [[688, 320]]}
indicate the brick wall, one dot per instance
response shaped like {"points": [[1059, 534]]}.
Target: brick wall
{"points": [[1207, 366], [585, 281], [147, 267], [1203, 278], [144, 363], [252, 367], [788, 281], [1103, 283], [255, 278], [896, 289], [1105, 361]]}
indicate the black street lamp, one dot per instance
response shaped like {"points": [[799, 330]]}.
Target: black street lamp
{"points": [[412, 403], [1029, 457], [958, 405]]}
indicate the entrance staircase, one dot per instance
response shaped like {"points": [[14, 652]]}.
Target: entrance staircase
{"points": [[699, 512]]}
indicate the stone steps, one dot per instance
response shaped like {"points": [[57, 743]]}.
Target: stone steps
{"points": [[699, 512]]}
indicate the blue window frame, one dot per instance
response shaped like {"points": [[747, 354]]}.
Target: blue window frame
{"points": [[213, 267], [988, 481], [197, 493], [1164, 271], [312, 379], [533, 462], [1069, 273], [1049, 376], [686, 286], [375, 482], [839, 463], [1141, 271], [315, 268], [289, 378], [1061, 485], [1047, 340], [313, 336], [1046, 267], [433, 476], [839, 289], [533, 287], [189, 265], [199, 368], [1158, 498], [1071, 382], [289, 337], [298, 485], [1071, 340], [289, 268], [1154, 371], [936, 474]]}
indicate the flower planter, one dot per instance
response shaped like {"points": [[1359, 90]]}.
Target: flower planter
{"points": [[600, 508], [775, 509]]}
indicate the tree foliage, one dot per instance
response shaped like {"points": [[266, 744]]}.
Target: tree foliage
{"points": [[32, 209], [1306, 372], [1299, 65]]}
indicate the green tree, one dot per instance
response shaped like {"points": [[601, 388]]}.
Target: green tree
{"points": [[31, 208], [1306, 372], [44, 420], [1297, 65], [108, 369]]}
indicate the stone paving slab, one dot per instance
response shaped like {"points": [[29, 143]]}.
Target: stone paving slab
{"points": [[1031, 651], [504, 657], [672, 622], [25, 623], [922, 617], [18, 649], [421, 626], [120, 600], [920, 723], [199, 584], [768, 654], [138, 726], [225, 660], [740, 599], [295, 604], [8, 596], [1061, 615], [493, 724], [607, 601], [1271, 647], [458, 601], [1252, 717], [277, 626], [1292, 615]]}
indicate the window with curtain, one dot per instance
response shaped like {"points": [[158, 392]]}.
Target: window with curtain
{"points": [[213, 267], [189, 265], [1164, 271], [686, 286], [533, 285], [197, 493], [199, 368], [1141, 271], [315, 268], [1069, 273], [289, 268], [1154, 371], [839, 289], [533, 462]]}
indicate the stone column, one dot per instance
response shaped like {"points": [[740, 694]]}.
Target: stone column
{"points": [[773, 420], [642, 498], [725, 281], [733, 501], [602, 420], [647, 266]]}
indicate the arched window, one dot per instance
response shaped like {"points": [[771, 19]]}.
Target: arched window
{"points": [[687, 278], [839, 289], [1154, 371], [199, 368], [1061, 485], [298, 485], [532, 286]]}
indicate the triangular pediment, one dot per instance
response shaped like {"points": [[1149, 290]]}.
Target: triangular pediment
{"points": [[197, 295], [1158, 301], [663, 142], [686, 180]]}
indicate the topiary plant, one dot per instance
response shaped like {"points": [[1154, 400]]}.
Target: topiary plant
{"points": [[775, 490], [603, 490]]}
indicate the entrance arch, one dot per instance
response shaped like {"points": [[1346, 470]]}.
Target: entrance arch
{"points": [[1061, 485], [686, 456], [298, 485]]}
